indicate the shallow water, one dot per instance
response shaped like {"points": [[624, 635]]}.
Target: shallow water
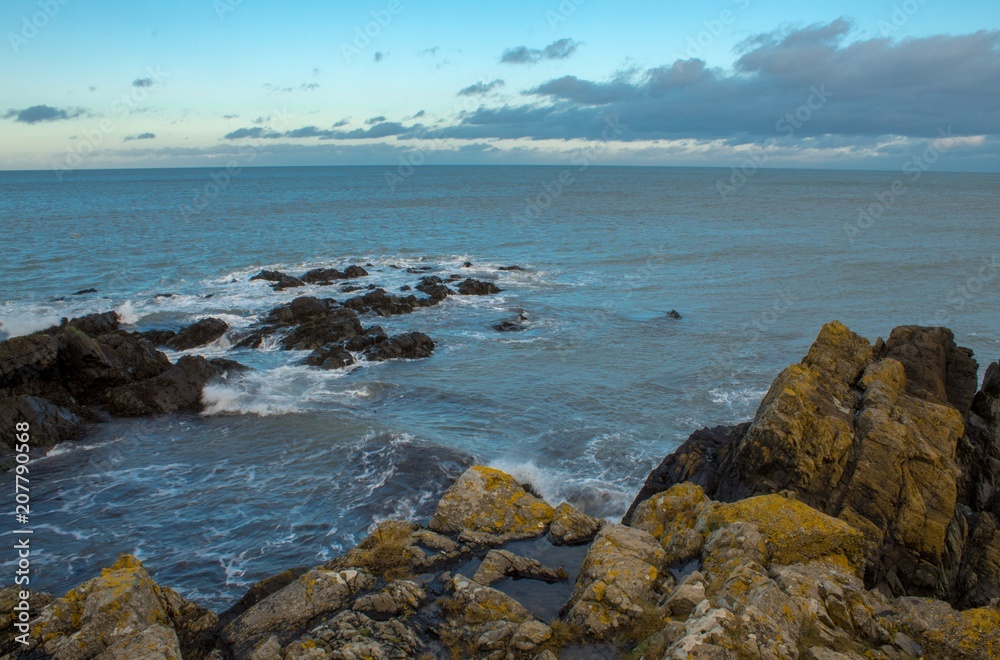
{"points": [[290, 465]]}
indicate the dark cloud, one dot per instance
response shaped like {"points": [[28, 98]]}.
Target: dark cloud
{"points": [[375, 120], [378, 130], [37, 114], [557, 50], [481, 88], [341, 123], [140, 136], [142, 82], [230, 116], [795, 83], [255, 133]]}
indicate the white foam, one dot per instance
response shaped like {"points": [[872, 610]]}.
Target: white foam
{"points": [[545, 482], [223, 399], [18, 326], [127, 314]]}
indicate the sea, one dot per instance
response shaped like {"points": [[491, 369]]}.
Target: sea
{"points": [[290, 465]]}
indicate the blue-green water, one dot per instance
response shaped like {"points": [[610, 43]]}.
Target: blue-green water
{"points": [[291, 464]]}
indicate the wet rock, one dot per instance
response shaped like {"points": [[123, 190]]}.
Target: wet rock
{"points": [[619, 579], [83, 292], [373, 335], [49, 425], [330, 357], [119, 613], [467, 264], [90, 367], [471, 287], [287, 613], [489, 506], [433, 286], [177, 389], [288, 282], [501, 564], [269, 276], [409, 345], [673, 314], [509, 326], [198, 334], [572, 527], [156, 337], [338, 326], [308, 308], [511, 268], [96, 325], [381, 303], [27, 359]]}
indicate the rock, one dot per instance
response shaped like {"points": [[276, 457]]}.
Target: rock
{"points": [[467, 264], [119, 613], [434, 288], [511, 268], [481, 616], [942, 632], [156, 337], [82, 292], [398, 598], [308, 308], [876, 441], [572, 527], [409, 345], [671, 517], [489, 506], [471, 287], [508, 326], [330, 357], [10, 597], [685, 599], [89, 367], [530, 635], [501, 564], [94, 325], [177, 389], [269, 276], [338, 326], [27, 359], [325, 276], [288, 282], [353, 635], [49, 425], [373, 335], [198, 334], [381, 303], [287, 613], [619, 580], [673, 314], [261, 590]]}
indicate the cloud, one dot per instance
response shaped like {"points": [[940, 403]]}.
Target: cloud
{"points": [[430, 52], [375, 120], [282, 89], [481, 88], [557, 50], [140, 136], [308, 87], [789, 84], [230, 116], [255, 133], [342, 122], [379, 56], [142, 82], [37, 114], [379, 129]]}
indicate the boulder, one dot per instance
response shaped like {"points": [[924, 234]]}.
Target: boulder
{"points": [[471, 287], [501, 564], [331, 356], [672, 518], [382, 304], [176, 390], [409, 345], [336, 327], [97, 324], [49, 425], [489, 506], [571, 526], [28, 359], [198, 334]]}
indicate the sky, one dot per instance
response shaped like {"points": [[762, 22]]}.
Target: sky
{"points": [[873, 84]]}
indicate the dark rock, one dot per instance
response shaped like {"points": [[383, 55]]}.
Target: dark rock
{"points": [[330, 357], [27, 359], [338, 326], [434, 288], [96, 325], [269, 276], [411, 345], [82, 292], [229, 366], [467, 264], [511, 268], [176, 390], [471, 287], [288, 282], [508, 326], [49, 425], [419, 269], [352, 272], [381, 303], [156, 337], [307, 308], [936, 368], [405, 287], [322, 276], [372, 336], [90, 366], [170, 295], [198, 334], [673, 314], [260, 591]]}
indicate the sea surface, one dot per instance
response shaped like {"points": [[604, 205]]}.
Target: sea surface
{"points": [[291, 465]]}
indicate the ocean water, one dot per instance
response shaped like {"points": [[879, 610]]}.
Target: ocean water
{"points": [[290, 465]]}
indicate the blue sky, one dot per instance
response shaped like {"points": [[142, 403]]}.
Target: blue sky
{"points": [[90, 84]]}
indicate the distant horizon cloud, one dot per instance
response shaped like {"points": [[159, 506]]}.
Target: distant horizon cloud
{"points": [[140, 136], [481, 88]]}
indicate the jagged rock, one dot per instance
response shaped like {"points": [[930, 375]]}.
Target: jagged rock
{"points": [[330, 357], [338, 326], [489, 506], [510, 268], [90, 366], [269, 276], [198, 334], [619, 579], [686, 598], [156, 337], [119, 613], [398, 598], [82, 292], [96, 324], [353, 636], [26, 359], [480, 618], [936, 369], [943, 632], [177, 389], [572, 527], [383, 304], [500, 564], [530, 635], [409, 345], [671, 517], [49, 425], [471, 287], [286, 613], [325, 276], [433, 286]]}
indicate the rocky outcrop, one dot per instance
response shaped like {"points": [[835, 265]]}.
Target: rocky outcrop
{"points": [[198, 334], [887, 438], [50, 424], [471, 287], [410, 345]]}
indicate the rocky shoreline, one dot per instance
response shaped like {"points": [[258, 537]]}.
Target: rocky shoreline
{"points": [[854, 517]]}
